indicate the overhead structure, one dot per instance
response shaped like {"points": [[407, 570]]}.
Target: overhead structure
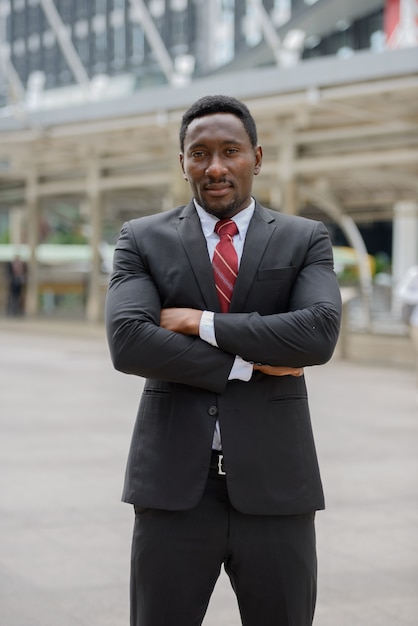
{"points": [[340, 145], [340, 136]]}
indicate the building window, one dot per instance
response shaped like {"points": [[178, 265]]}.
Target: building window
{"points": [[4, 9], [378, 41], [18, 5], [100, 6], [83, 50], [281, 12], [65, 9], [178, 28], [19, 47], [157, 8], [81, 9], [99, 44], [48, 38], [98, 23], [178, 5], [117, 18], [18, 24], [34, 42], [50, 65], [221, 41], [136, 44]]}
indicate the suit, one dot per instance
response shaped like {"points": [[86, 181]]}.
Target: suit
{"points": [[285, 310]]}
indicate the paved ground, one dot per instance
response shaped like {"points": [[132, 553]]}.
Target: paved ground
{"points": [[66, 418]]}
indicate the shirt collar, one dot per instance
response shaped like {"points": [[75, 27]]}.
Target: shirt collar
{"points": [[241, 219]]}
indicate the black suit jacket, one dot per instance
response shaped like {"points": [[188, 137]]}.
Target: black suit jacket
{"points": [[285, 311]]}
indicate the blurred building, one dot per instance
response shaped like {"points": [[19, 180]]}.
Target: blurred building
{"points": [[69, 41], [91, 95]]}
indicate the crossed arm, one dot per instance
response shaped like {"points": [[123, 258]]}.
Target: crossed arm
{"points": [[187, 321], [164, 344]]}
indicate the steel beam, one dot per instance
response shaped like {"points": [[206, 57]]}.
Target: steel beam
{"points": [[141, 13], [64, 41]]}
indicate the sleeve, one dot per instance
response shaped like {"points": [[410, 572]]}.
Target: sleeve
{"points": [[241, 370], [137, 343], [308, 332]]}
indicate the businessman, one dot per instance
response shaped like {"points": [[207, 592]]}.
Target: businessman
{"points": [[220, 305]]}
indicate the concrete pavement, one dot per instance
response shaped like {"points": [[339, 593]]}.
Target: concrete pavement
{"points": [[66, 418]]}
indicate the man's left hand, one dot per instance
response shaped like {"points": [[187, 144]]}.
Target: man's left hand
{"points": [[181, 320]]}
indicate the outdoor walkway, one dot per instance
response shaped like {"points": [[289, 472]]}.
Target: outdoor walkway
{"points": [[66, 418]]}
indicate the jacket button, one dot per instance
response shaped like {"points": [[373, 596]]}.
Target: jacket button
{"points": [[213, 410]]}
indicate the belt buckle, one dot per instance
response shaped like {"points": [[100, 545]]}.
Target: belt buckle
{"points": [[220, 465]]}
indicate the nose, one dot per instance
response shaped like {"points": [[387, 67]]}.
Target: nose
{"points": [[216, 167]]}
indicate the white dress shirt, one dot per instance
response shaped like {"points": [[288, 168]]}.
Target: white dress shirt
{"points": [[241, 370]]}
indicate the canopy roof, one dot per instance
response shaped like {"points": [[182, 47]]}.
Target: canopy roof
{"points": [[336, 132]]}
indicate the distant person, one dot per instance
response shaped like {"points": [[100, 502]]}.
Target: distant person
{"points": [[222, 468], [16, 278], [407, 293]]}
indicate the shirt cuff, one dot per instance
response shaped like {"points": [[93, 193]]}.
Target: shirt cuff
{"points": [[241, 370], [207, 328]]}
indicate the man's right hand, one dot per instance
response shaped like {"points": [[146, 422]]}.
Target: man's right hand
{"points": [[278, 370]]}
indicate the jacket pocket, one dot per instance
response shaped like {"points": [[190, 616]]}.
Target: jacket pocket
{"points": [[276, 273], [288, 398]]}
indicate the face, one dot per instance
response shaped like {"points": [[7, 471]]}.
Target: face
{"points": [[219, 162]]}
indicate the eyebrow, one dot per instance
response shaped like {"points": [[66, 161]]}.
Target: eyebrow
{"points": [[225, 142]]}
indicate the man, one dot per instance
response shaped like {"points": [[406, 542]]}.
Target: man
{"points": [[222, 467], [16, 276]]}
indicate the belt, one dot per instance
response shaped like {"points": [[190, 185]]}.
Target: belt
{"points": [[217, 462]]}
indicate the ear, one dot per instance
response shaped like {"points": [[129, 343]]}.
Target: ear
{"points": [[181, 157], [258, 154]]}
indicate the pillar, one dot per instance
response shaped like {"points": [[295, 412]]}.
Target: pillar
{"points": [[404, 242], [286, 173], [95, 301], [33, 214], [178, 192], [16, 218]]}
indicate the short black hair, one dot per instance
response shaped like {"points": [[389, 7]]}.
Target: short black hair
{"points": [[219, 104]]}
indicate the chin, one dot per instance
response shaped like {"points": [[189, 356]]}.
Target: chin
{"points": [[219, 211]]}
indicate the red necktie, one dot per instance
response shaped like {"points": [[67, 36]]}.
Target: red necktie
{"points": [[225, 262]]}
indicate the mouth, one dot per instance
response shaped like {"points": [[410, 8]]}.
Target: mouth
{"points": [[218, 189]]}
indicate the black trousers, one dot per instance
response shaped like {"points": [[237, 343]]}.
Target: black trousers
{"points": [[177, 557]]}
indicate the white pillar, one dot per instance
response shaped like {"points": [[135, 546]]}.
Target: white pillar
{"points": [[94, 307], [16, 220], [286, 173], [178, 191], [33, 210], [405, 238], [404, 242]]}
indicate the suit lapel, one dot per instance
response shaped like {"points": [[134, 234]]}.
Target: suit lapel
{"points": [[194, 243], [260, 230]]}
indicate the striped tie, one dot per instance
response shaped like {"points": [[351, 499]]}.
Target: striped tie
{"points": [[225, 262]]}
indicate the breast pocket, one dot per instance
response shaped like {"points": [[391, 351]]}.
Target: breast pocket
{"points": [[277, 273], [273, 288]]}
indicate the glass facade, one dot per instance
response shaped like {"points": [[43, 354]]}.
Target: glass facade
{"points": [[199, 35], [360, 34]]}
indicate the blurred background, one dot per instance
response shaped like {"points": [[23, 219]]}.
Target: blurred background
{"points": [[91, 96]]}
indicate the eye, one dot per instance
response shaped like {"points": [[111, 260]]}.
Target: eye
{"points": [[198, 154], [232, 151]]}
